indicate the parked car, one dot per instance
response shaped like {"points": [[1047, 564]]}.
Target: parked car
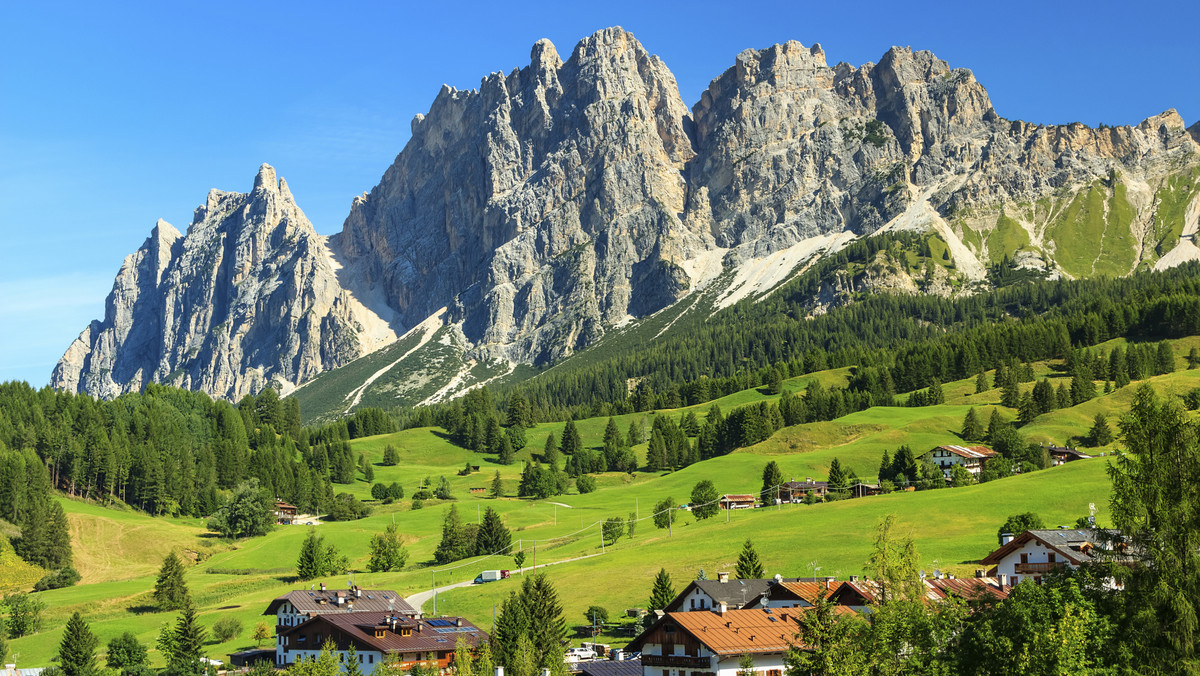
{"points": [[579, 654]]}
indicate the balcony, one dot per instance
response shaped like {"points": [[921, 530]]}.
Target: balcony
{"points": [[1035, 568], [677, 661]]}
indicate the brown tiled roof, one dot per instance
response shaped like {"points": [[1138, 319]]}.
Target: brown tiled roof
{"points": [[315, 601], [740, 497], [970, 588], [759, 630], [428, 635], [811, 591], [970, 452]]}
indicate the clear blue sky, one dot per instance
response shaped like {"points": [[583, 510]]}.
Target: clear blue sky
{"points": [[113, 115]]}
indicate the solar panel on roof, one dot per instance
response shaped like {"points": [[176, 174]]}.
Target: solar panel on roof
{"points": [[441, 623]]}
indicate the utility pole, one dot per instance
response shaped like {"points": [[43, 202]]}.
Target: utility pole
{"points": [[433, 586], [601, 538], [556, 515]]}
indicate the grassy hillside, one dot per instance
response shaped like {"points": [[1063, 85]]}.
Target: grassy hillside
{"points": [[119, 552]]}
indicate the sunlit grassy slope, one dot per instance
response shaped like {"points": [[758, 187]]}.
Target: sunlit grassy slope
{"points": [[119, 552]]}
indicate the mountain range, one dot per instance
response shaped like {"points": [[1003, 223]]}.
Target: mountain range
{"points": [[566, 200]]}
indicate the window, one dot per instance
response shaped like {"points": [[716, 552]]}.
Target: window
{"points": [[1050, 558], [693, 604], [1015, 580], [666, 672], [1024, 558]]}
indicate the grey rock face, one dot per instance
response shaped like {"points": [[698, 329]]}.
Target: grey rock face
{"points": [[539, 207], [565, 197], [247, 298]]}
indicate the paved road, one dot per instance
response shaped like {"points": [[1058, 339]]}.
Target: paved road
{"points": [[417, 600]]}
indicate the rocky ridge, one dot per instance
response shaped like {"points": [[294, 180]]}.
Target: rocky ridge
{"points": [[565, 198], [248, 298]]}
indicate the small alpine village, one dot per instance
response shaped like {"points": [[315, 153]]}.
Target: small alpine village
{"points": [[774, 526]]}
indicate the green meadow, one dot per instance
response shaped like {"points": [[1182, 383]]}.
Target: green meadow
{"points": [[118, 552]]}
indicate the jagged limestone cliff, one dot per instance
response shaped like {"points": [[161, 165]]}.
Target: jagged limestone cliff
{"points": [[566, 198], [249, 297]]}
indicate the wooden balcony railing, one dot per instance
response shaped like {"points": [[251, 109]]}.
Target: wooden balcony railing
{"points": [[1035, 568], [684, 661]]}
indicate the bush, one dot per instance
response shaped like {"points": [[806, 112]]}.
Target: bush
{"points": [[346, 507], [226, 629], [585, 484], [417, 503], [58, 579]]}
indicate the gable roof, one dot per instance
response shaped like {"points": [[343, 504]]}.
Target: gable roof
{"points": [[1076, 545], [736, 632], [969, 452], [316, 601], [435, 634], [971, 589], [730, 593]]}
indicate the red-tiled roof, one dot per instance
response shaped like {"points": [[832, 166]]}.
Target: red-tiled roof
{"points": [[435, 634]]}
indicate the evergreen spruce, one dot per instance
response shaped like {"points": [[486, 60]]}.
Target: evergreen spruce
{"points": [[387, 551], [772, 478], [662, 593], [571, 443], [493, 537], [391, 456], [77, 650], [170, 590], [497, 489], [506, 452], [748, 565], [311, 563], [981, 383], [550, 453], [1100, 434], [972, 429]]}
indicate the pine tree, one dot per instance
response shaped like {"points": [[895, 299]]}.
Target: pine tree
{"points": [[391, 456], [995, 422], [387, 551], [550, 453], [1193, 358], [170, 590], [547, 627], [839, 481], [454, 544], [662, 593], [353, 662], [1027, 410], [1083, 387], [493, 537], [126, 654], [183, 643], [981, 383], [506, 452], [497, 489], [748, 565], [935, 395], [571, 443], [1100, 434], [77, 651], [1165, 359], [972, 429], [369, 473], [772, 478], [311, 563]]}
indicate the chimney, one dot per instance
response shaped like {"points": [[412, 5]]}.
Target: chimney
{"points": [[341, 599], [808, 479], [854, 578], [322, 586], [1005, 538], [722, 608], [458, 621], [723, 577], [499, 671], [545, 672], [979, 572], [1003, 580], [358, 592]]}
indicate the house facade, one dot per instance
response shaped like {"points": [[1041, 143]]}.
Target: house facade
{"points": [[738, 501], [299, 606], [712, 643], [796, 491], [970, 457], [285, 514], [709, 594], [1034, 553], [378, 638]]}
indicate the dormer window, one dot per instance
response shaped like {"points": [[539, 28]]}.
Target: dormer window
{"points": [[406, 631]]}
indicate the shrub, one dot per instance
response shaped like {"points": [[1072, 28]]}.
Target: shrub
{"points": [[226, 629]]}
